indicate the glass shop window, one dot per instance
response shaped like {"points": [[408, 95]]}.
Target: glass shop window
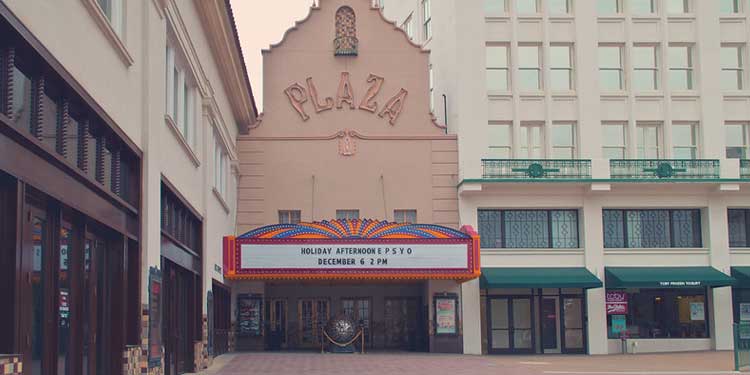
{"points": [[531, 229], [662, 313], [652, 228]]}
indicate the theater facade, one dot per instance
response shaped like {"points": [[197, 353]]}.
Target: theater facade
{"points": [[347, 198]]}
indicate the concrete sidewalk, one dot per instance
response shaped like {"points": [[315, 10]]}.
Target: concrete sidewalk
{"points": [[709, 363]]}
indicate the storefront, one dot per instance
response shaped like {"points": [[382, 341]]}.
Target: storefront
{"points": [[69, 219], [398, 282], [535, 310], [659, 307]]}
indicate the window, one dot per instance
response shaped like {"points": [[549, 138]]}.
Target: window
{"points": [[495, 6], [731, 68], [408, 27], [529, 67], [527, 6], [181, 96], [645, 67], [178, 221], [729, 6], [664, 313], [500, 141], [497, 68], [432, 88], [532, 141], [610, 67], [558, 7], [289, 216], [405, 216], [70, 140], [649, 140], [564, 140], [684, 141], [561, 67], [642, 6], [21, 107], [220, 166], [652, 228], [50, 115], [614, 140], [608, 7], [427, 17], [113, 10], [680, 67], [347, 214], [678, 6], [739, 227], [528, 229], [737, 141]]}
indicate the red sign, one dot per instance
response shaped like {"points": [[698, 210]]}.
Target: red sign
{"points": [[617, 303]]}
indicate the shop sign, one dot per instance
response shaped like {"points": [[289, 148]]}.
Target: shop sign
{"points": [[154, 317], [360, 256], [619, 325], [679, 283], [249, 315], [744, 312], [445, 315], [616, 302], [697, 311]]}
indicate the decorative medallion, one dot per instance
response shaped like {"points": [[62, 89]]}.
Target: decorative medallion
{"points": [[347, 145], [536, 170], [664, 170]]}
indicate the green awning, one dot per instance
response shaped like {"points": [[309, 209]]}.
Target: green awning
{"points": [[665, 277], [742, 275], [538, 278]]}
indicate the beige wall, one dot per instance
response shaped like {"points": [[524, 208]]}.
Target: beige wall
{"points": [[287, 163]]}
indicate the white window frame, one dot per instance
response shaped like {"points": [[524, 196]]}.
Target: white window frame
{"points": [[745, 142], [183, 96], [289, 216], [408, 26], [572, 149], [653, 69], [526, 146], [569, 68], [623, 147], [736, 7], [537, 68], [686, 6], [621, 69], [689, 69], [659, 148], [489, 13], [432, 88], [654, 8], [350, 214], [537, 7], [618, 9], [567, 9], [115, 15], [427, 19], [738, 69], [405, 216], [695, 134], [505, 69], [495, 146], [221, 166]]}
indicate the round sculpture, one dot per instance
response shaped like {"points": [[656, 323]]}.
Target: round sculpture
{"points": [[341, 328]]}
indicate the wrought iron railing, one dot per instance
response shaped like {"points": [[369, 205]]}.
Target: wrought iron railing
{"points": [[745, 168], [545, 169], [345, 46], [664, 169]]}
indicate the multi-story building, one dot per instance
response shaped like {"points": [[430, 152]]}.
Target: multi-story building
{"points": [[602, 157], [118, 122]]}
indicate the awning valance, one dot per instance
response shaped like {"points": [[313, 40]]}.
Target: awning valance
{"points": [[742, 275], [538, 278], [665, 277]]}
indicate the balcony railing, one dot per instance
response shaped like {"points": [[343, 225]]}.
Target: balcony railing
{"points": [[663, 169], [542, 169], [745, 168]]}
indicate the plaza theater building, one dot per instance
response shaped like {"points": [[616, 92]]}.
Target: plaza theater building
{"points": [[347, 195]]}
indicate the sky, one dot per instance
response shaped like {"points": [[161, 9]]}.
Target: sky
{"points": [[261, 23]]}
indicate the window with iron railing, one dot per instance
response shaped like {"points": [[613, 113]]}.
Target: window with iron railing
{"points": [[528, 228], [652, 228], [739, 227]]}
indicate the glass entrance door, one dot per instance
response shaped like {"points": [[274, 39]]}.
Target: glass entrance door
{"points": [[276, 314], [37, 260], [573, 328], [550, 324], [402, 317], [359, 310], [313, 316], [510, 326]]}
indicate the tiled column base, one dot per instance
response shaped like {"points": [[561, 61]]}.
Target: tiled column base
{"points": [[232, 345], [131, 360], [10, 364], [202, 360], [143, 363]]}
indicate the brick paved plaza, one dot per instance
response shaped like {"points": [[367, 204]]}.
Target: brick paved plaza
{"points": [[708, 363]]}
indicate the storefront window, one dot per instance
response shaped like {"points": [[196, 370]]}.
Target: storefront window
{"points": [[652, 228], [661, 313], [528, 228]]}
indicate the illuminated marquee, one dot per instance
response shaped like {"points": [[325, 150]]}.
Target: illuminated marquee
{"points": [[353, 249]]}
